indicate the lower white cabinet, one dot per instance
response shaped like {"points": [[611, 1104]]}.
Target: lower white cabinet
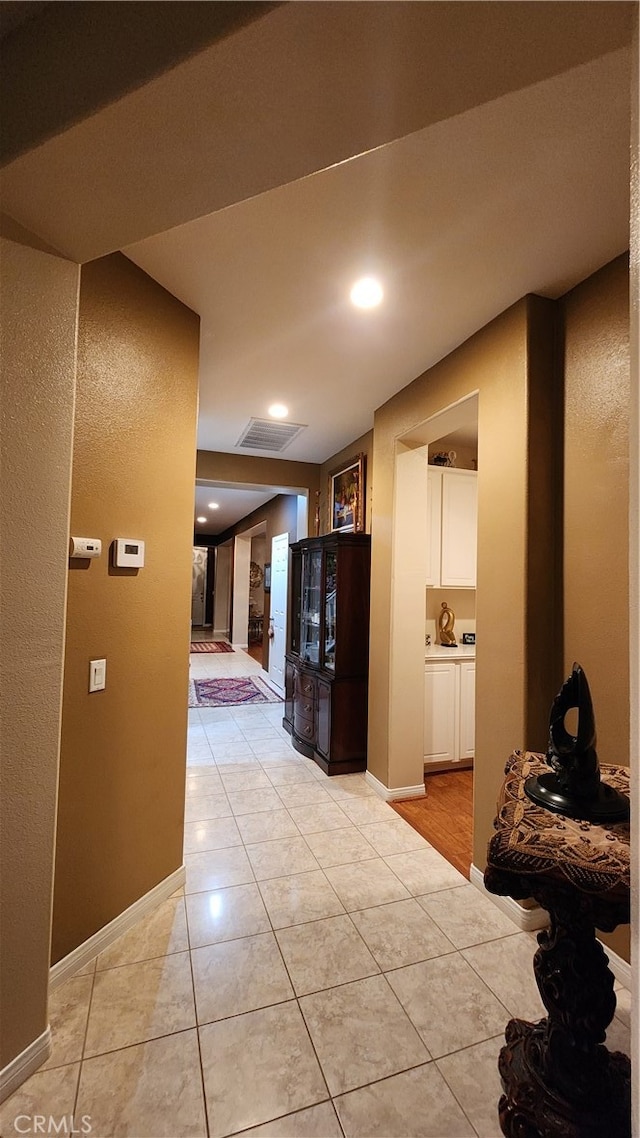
{"points": [[467, 716], [449, 710]]}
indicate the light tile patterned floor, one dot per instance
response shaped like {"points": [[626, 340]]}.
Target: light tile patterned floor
{"points": [[325, 972]]}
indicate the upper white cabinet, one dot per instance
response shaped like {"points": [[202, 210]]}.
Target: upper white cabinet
{"points": [[452, 524]]}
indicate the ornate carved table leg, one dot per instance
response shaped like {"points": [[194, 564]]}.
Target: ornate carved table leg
{"points": [[558, 1077]]}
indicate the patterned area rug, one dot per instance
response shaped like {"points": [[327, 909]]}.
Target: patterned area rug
{"points": [[230, 692], [210, 646]]}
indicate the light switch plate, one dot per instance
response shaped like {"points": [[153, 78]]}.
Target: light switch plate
{"points": [[97, 675]]}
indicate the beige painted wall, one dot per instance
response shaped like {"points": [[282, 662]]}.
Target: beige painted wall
{"points": [[215, 466], [513, 394], [596, 505], [39, 307], [122, 769], [596, 498], [466, 456], [363, 445], [634, 560]]}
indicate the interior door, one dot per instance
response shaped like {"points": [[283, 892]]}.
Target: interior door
{"points": [[198, 582], [278, 615]]}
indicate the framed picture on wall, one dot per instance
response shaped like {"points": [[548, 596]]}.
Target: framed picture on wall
{"points": [[266, 583], [346, 496]]}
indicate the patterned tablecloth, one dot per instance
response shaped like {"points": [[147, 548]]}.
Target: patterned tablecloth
{"points": [[531, 840]]}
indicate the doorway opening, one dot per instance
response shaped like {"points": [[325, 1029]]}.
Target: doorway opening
{"points": [[198, 587], [247, 609], [432, 715], [238, 602]]}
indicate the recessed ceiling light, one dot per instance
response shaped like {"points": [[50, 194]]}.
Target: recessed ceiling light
{"points": [[201, 519], [278, 411], [214, 506], [366, 293]]}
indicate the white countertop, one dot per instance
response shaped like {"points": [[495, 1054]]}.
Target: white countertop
{"points": [[438, 652]]}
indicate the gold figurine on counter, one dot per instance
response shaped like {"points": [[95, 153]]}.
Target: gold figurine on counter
{"points": [[446, 621]]}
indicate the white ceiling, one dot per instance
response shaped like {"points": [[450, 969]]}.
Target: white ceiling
{"points": [[503, 169], [528, 193], [234, 502]]}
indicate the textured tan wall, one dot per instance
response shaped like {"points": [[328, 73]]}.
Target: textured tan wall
{"points": [[363, 445], [122, 769], [496, 363], [279, 515], [596, 505], [39, 306], [634, 544], [596, 497], [215, 466]]}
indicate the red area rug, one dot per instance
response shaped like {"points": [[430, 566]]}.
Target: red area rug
{"points": [[230, 692], [210, 646]]}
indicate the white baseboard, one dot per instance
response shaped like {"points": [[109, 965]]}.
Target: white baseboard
{"points": [[240, 647], [526, 919], [221, 634], [24, 1064], [392, 793], [86, 951], [529, 920]]}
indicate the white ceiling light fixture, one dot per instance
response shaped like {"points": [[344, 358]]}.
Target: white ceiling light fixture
{"points": [[367, 293], [278, 411], [201, 519], [214, 505]]}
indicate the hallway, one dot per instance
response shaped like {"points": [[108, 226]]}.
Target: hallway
{"points": [[324, 971]]}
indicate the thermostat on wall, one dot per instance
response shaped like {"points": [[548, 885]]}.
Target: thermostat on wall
{"points": [[128, 553]]}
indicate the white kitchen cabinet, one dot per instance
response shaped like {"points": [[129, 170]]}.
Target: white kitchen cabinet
{"points": [[452, 526], [440, 711], [467, 717], [449, 710]]}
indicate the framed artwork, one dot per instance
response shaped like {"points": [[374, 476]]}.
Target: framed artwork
{"points": [[266, 584], [346, 496]]}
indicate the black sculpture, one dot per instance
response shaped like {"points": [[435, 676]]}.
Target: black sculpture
{"points": [[574, 787]]}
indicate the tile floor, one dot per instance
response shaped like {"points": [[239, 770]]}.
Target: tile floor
{"points": [[324, 972]]}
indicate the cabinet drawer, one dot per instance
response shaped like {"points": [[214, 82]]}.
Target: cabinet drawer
{"points": [[305, 706], [304, 726], [305, 686]]}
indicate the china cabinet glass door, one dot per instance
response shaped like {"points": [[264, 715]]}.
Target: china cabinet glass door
{"points": [[330, 582], [310, 616]]}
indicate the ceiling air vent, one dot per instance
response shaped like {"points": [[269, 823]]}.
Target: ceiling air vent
{"points": [[265, 434]]}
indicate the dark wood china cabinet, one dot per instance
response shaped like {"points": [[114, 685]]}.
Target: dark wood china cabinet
{"points": [[327, 663]]}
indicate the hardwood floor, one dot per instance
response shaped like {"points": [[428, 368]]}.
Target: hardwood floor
{"points": [[445, 815]]}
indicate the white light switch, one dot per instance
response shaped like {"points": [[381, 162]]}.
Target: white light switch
{"points": [[97, 675]]}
